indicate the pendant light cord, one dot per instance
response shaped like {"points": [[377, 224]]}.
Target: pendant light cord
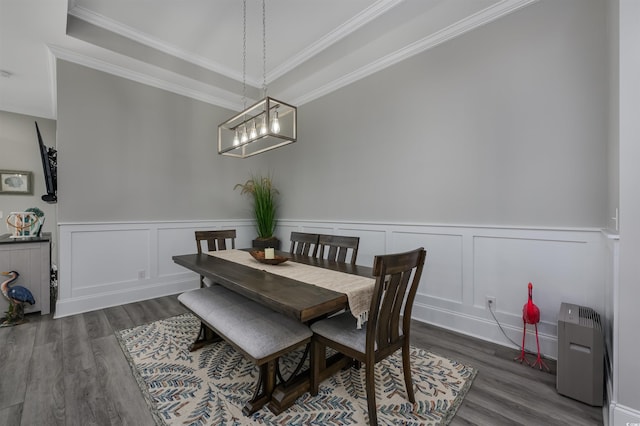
{"points": [[264, 48], [244, 54]]}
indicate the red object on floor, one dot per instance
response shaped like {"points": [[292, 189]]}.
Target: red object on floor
{"points": [[531, 315]]}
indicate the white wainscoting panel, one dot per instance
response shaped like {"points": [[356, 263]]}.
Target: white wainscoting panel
{"points": [[108, 264], [465, 264]]}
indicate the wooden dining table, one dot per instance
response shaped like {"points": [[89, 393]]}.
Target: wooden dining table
{"points": [[302, 301]]}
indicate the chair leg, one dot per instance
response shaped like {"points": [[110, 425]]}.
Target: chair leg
{"points": [[406, 367], [370, 374]]}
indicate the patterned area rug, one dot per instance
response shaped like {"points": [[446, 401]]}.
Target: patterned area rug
{"points": [[210, 386]]}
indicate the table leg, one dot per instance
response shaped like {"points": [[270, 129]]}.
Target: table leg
{"points": [[284, 395]]}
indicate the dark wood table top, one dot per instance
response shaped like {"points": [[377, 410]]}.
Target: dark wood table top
{"points": [[300, 300]]}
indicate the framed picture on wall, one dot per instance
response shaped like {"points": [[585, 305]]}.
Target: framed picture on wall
{"points": [[16, 182]]}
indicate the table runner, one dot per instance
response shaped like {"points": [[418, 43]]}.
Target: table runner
{"points": [[358, 289]]}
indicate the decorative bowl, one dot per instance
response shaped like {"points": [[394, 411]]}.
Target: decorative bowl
{"points": [[259, 256]]}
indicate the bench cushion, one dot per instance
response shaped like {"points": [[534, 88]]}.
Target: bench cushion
{"points": [[255, 329]]}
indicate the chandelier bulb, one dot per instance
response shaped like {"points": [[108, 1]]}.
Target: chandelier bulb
{"points": [[275, 123], [236, 139], [244, 137], [263, 126], [253, 133]]}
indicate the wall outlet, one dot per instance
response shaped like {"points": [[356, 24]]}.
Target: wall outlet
{"points": [[490, 302], [142, 275]]}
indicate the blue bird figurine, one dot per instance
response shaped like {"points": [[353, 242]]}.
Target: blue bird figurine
{"points": [[17, 297]]}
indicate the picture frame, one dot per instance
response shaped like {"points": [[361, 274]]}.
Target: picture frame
{"points": [[16, 182]]}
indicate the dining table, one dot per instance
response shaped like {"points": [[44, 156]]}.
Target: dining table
{"points": [[301, 300]]}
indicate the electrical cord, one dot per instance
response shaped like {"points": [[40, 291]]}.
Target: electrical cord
{"points": [[505, 334]]}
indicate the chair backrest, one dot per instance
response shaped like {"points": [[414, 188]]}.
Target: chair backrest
{"points": [[397, 279], [304, 244], [216, 240], [336, 247]]}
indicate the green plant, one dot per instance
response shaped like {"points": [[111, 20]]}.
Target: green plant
{"points": [[35, 211], [263, 194]]}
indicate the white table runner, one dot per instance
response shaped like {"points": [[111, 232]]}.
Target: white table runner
{"points": [[359, 290]]}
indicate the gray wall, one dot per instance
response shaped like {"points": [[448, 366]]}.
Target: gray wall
{"points": [[505, 125], [19, 151], [613, 114], [629, 96], [131, 152]]}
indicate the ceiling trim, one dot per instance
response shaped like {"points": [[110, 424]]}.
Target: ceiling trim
{"points": [[200, 91], [225, 99], [51, 65], [463, 26], [372, 12], [147, 40]]}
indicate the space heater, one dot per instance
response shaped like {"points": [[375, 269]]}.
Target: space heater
{"points": [[580, 354]]}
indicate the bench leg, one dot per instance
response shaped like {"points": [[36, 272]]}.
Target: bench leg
{"points": [[293, 375], [205, 337], [264, 388]]}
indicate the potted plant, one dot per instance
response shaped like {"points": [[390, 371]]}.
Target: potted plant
{"points": [[263, 194]]}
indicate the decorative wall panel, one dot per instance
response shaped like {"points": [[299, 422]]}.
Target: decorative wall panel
{"points": [[115, 263]]}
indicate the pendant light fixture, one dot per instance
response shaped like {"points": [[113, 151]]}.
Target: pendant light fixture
{"points": [[265, 125]]}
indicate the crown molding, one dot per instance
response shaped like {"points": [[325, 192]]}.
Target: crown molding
{"points": [[461, 27], [372, 12], [369, 14], [233, 101], [154, 43], [51, 65], [222, 100]]}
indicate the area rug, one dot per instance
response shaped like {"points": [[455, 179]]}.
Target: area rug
{"points": [[210, 386]]}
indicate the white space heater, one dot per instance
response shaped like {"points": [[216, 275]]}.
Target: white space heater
{"points": [[580, 354]]}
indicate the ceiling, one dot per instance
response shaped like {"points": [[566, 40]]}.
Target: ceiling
{"points": [[194, 47]]}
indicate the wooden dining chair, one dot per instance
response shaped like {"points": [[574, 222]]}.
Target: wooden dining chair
{"points": [[215, 240], [304, 244], [397, 278], [336, 247]]}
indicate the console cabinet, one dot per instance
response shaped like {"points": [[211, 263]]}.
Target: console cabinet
{"points": [[31, 258]]}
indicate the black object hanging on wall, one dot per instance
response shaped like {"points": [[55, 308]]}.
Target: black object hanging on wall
{"points": [[50, 167]]}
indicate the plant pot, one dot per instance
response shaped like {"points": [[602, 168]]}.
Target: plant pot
{"points": [[263, 243]]}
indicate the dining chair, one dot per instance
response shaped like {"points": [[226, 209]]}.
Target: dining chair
{"points": [[216, 240], [304, 243], [336, 247], [397, 278]]}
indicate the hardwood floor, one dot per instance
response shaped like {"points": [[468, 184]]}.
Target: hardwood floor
{"points": [[71, 371]]}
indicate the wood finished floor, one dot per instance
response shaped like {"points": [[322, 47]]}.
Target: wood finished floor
{"points": [[71, 371]]}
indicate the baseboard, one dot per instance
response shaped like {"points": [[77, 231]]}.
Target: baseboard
{"points": [[483, 328], [621, 415], [77, 305]]}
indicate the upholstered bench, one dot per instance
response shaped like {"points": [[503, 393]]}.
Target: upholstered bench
{"points": [[256, 331]]}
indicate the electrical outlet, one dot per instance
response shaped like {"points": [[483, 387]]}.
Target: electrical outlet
{"points": [[490, 302]]}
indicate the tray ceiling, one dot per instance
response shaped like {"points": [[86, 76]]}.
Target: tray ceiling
{"points": [[195, 47]]}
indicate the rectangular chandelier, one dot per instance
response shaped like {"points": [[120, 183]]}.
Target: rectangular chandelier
{"points": [[266, 125]]}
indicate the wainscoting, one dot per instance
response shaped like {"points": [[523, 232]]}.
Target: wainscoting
{"points": [[110, 264], [465, 264], [107, 264]]}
